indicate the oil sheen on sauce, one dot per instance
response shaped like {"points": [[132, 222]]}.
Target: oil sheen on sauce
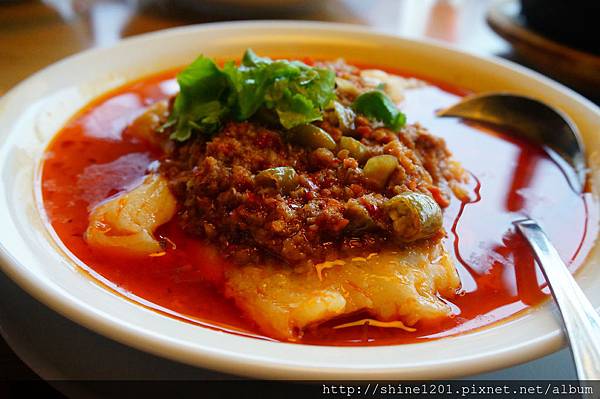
{"points": [[93, 158]]}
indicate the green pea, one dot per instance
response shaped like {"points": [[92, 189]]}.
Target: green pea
{"points": [[414, 216], [356, 149], [378, 169], [283, 178], [311, 136]]}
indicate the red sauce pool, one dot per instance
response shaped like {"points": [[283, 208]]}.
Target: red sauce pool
{"points": [[91, 159]]}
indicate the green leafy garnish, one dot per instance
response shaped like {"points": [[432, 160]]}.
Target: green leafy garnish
{"points": [[202, 100], [377, 105], [296, 92]]}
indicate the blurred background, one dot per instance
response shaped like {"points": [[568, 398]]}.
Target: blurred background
{"points": [[558, 38]]}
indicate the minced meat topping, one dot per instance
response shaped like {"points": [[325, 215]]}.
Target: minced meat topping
{"points": [[346, 185]]}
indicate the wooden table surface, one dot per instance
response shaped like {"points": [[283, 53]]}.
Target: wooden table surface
{"points": [[34, 34]]}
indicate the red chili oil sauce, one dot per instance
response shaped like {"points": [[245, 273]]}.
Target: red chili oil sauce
{"points": [[91, 159]]}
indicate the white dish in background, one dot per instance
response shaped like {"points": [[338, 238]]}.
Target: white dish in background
{"points": [[249, 8], [35, 110], [278, 4]]}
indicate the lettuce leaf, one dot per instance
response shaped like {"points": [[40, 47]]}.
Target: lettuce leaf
{"points": [[208, 94], [202, 101]]}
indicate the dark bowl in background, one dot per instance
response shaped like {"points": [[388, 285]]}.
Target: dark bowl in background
{"points": [[575, 23]]}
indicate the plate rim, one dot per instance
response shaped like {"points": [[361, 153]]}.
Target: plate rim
{"points": [[149, 342]]}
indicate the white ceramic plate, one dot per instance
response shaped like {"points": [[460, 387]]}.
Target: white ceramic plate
{"points": [[36, 109]]}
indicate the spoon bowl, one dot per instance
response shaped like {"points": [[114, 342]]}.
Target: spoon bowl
{"points": [[533, 120]]}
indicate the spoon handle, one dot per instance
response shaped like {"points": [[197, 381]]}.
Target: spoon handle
{"points": [[581, 321]]}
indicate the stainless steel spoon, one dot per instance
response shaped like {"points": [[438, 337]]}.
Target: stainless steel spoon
{"points": [[534, 120], [542, 124]]}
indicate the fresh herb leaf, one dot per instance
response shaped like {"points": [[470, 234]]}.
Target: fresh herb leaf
{"points": [[296, 92], [249, 85], [251, 59], [202, 100], [377, 105]]}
